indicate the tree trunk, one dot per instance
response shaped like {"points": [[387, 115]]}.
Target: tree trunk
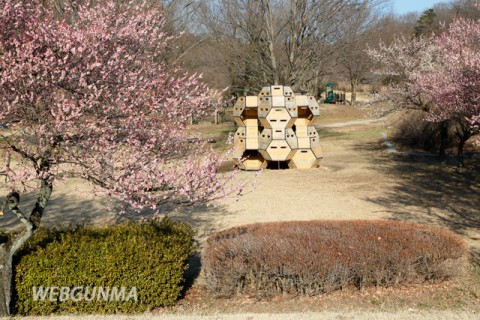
{"points": [[460, 148], [463, 133], [276, 79], [271, 41], [443, 140], [461, 160], [8, 250], [353, 100]]}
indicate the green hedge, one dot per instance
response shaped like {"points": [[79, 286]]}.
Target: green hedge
{"points": [[152, 257]]}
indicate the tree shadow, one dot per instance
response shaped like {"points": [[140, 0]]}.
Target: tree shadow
{"points": [[65, 209], [475, 256], [430, 191]]}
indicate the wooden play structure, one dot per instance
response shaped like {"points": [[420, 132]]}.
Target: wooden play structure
{"points": [[277, 126]]}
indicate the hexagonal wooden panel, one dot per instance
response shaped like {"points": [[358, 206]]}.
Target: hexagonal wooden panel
{"points": [[279, 150], [251, 143], [278, 134], [313, 106], [291, 138], [265, 92], [291, 106], [278, 101], [276, 91], [288, 92], [239, 106], [301, 100], [278, 118], [248, 113], [264, 106], [253, 161], [238, 148], [302, 159], [251, 101]]}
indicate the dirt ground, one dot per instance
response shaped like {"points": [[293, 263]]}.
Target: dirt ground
{"points": [[358, 179], [332, 315]]}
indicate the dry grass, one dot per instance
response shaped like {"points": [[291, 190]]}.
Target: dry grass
{"points": [[331, 113]]}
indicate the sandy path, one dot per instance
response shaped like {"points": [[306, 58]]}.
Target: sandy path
{"points": [[400, 315], [334, 191], [348, 123]]}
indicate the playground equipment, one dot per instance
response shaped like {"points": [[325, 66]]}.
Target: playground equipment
{"points": [[332, 96], [277, 126]]}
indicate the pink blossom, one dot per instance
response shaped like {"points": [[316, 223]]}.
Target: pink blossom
{"points": [[92, 99], [438, 75]]}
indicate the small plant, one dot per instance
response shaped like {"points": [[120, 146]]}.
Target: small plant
{"points": [[312, 257]]}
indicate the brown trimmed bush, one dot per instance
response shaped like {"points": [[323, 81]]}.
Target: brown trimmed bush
{"points": [[312, 257]]}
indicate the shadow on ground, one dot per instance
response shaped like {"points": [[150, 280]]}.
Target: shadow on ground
{"points": [[432, 192], [65, 209], [62, 210]]}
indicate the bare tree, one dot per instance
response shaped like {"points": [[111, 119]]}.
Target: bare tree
{"points": [[290, 42], [360, 33], [465, 8]]}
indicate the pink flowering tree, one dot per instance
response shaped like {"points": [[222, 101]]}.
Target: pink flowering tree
{"points": [[87, 96], [399, 64], [453, 88], [440, 76]]}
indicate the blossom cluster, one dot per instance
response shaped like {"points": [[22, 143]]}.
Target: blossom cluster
{"points": [[88, 95]]}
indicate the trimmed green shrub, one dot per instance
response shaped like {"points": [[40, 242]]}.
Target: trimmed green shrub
{"points": [[312, 257], [152, 257]]}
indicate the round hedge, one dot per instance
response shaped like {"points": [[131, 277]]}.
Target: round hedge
{"points": [[152, 257], [312, 257]]}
